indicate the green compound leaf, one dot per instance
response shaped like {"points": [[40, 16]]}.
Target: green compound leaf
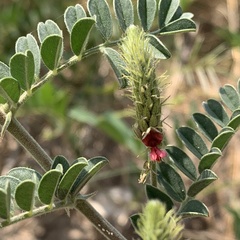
{"points": [[5, 201], [157, 47], [47, 29], [24, 44], [48, 185], [69, 178], [182, 161], [72, 14], [100, 9], [118, 65], [124, 13], [146, 12], [223, 138], [194, 208], [61, 160], [206, 177], [216, 111], [25, 194], [193, 141], [51, 51], [172, 182], [177, 26], [167, 9], [206, 126], [235, 120], [209, 159], [80, 35], [10, 89], [155, 193], [230, 97], [22, 69], [4, 70], [94, 165]]}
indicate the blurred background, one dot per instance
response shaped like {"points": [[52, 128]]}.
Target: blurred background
{"points": [[82, 112]]}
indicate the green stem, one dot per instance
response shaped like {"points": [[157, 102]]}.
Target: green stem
{"points": [[28, 142], [36, 212], [101, 224], [153, 174]]}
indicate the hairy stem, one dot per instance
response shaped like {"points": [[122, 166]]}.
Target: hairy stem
{"points": [[101, 224], [28, 142], [153, 174]]}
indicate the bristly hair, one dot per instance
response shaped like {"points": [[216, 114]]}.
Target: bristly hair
{"points": [[155, 223]]}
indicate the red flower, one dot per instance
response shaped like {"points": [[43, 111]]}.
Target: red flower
{"points": [[152, 138], [157, 154]]}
